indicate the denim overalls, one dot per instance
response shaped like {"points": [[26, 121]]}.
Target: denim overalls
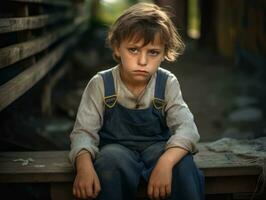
{"points": [[131, 142]]}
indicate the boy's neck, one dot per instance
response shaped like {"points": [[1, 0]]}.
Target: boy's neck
{"points": [[135, 88]]}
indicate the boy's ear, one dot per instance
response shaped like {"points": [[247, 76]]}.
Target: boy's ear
{"points": [[116, 51]]}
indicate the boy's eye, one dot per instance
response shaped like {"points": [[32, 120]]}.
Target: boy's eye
{"points": [[133, 50], [154, 52]]}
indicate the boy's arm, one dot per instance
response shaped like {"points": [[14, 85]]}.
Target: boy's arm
{"points": [[85, 139], [88, 121], [183, 140], [179, 118], [86, 184], [172, 156], [159, 186]]}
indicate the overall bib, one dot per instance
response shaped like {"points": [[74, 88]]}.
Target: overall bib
{"points": [[131, 142]]}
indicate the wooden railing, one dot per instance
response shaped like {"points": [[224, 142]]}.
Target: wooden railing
{"points": [[34, 37]]}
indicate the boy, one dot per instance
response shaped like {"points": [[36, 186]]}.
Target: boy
{"points": [[132, 122]]}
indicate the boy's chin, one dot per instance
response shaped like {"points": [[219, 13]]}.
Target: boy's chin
{"points": [[142, 79]]}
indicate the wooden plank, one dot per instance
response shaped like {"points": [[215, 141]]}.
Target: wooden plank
{"points": [[49, 159], [55, 168], [33, 22], [61, 3], [225, 163], [17, 86], [14, 53], [38, 162], [23, 11], [43, 166]]}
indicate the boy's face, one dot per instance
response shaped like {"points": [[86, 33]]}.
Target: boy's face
{"points": [[137, 62]]}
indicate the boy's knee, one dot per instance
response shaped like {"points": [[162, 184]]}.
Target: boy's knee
{"points": [[185, 166], [111, 156]]}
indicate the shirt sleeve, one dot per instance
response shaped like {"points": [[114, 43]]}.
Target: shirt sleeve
{"points": [[179, 118], [84, 135]]}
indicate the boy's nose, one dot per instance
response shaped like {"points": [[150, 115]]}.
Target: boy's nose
{"points": [[142, 60]]}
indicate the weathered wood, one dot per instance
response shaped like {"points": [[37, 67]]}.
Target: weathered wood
{"points": [[26, 23], [17, 86], [23, 11], [224, 164], [17, 52], [54, 166], [51, 160], [61, 3], [45, 166]]}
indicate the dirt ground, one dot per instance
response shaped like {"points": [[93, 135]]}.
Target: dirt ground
{"points": [[210, 85]]}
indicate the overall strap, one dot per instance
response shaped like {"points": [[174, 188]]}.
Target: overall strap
{"points": [[159, 98], [110, 96]]}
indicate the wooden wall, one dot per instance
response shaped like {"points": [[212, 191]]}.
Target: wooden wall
{"points": [[240, 27], [34, 36]]}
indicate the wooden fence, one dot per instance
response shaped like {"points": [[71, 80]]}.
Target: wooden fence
{"points": [[34, 37]]}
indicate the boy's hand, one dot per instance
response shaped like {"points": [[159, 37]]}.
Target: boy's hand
{"points": [[160, 182], [86, 184]]}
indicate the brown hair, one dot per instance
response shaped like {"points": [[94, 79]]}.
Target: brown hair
{"points": [[144, 21]]}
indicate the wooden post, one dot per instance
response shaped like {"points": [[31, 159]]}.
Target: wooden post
{"points": [[23, 11]]}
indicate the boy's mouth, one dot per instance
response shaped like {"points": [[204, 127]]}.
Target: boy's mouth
{"points": [[141, 72]]}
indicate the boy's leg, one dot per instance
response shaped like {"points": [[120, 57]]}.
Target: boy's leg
{"points": [[149, 157], [187, 180], [119, 171]]}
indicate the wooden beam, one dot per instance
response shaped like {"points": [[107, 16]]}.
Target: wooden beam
{"points": [[54, 167], [27, 23], [17, 86], [61, 3], [14, 53]]}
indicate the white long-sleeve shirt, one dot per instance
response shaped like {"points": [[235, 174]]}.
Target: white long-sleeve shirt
{"points": [[89, 120]]}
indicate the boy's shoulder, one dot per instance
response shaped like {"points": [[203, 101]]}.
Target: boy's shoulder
{"points": [[98, 76], [167, 72], [112, 70]]}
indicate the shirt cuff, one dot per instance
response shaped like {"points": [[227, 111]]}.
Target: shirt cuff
{"points": [[184, 144]]}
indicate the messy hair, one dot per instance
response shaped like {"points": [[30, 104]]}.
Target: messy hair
{"points": [[144, 21]]}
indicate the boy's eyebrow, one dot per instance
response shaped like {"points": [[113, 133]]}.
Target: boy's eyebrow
{"points": [[139, 46]]}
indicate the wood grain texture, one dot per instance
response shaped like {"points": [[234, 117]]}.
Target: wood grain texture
{"points": [[54, 167], [14, 53], [27, 23], [17, 86], [57, 162], [21, 83], [60, 3]]}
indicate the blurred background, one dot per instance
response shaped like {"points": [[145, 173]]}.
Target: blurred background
{"points": [[50, 49]]}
